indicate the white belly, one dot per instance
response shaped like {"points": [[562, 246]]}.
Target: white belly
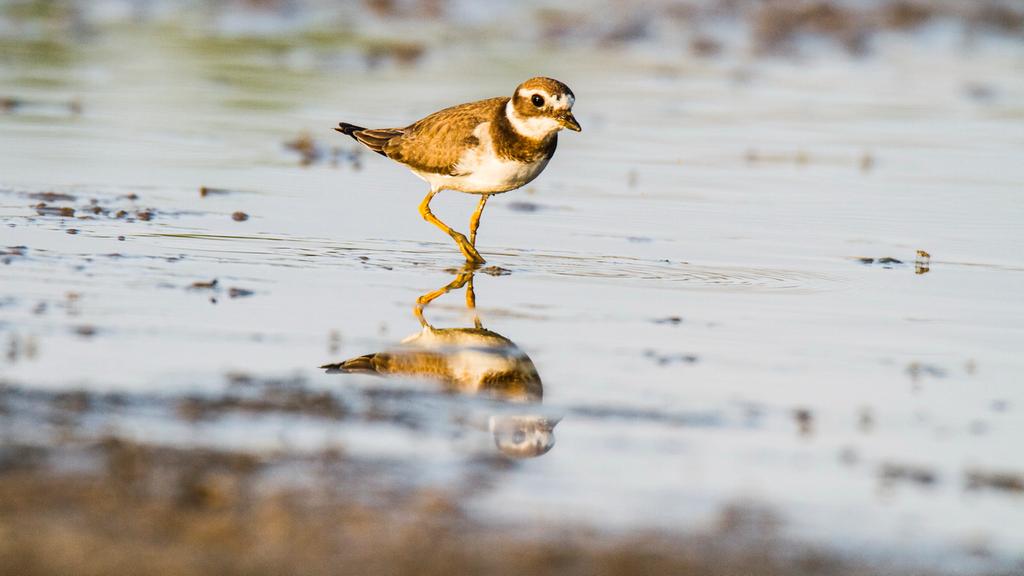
{"points": [[481, 171]]}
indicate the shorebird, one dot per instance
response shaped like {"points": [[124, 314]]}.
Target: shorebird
{"points": [[485, 147], [474, 361]]}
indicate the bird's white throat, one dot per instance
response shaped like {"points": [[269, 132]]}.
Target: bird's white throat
{"points": [[534, 128]]}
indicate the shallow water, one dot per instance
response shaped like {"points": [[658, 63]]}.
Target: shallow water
{"points": [[685, 275]]}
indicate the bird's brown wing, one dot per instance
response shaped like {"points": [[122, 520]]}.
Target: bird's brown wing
{"points": [[435, 143]]}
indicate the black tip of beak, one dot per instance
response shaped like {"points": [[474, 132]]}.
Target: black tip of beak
{"points": [[569, 121]]}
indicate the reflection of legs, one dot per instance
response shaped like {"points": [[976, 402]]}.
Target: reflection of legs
{"points": [[464, 245], [474, 222], [465, 275], [471, 301]]}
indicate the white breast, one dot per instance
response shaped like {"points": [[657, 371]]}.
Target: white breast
{"points": [[481, 171]]}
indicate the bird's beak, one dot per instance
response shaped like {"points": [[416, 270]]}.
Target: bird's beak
{"points": [[569, 121], [550, 423]]}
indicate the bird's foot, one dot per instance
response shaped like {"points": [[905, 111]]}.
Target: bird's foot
{"points": [[468, 250]]}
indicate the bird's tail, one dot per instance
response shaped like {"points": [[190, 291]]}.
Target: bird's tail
{"points": [[361, 365], [374, 139], [348, 129]]}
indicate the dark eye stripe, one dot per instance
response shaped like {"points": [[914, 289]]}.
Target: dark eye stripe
{"points": [[537, 100]]}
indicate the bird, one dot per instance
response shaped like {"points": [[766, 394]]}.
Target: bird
{"points": [[471, 361], [485, 147]]}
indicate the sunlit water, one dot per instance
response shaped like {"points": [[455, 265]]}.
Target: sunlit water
{"points": [[685, 278]]}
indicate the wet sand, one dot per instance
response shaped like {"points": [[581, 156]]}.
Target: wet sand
{"points": [[717, 282]]}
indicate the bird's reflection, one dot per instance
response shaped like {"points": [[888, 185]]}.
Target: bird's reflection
{"points": [[470, 361]]}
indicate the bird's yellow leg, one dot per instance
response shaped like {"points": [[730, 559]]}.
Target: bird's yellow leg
{"points": [[474, 222], [467, 249]]}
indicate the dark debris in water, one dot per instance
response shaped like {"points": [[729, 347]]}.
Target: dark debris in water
{"points": [[234, 292], [20, 347], [52, 197], [45, 210], [205, 191], [239, 216], [892, 472], [271, 400], [15, 105], [12, 253], [998, 481], [705, 47], [85, 330], [804, 420], [312, 152], [918, 370], [672, 358], [214, 285], [669, 320], [887, 262]]}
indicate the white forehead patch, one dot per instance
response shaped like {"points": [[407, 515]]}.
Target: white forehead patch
{"points": [[557, 102]]}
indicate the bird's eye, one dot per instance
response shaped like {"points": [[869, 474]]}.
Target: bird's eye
{"points": [[537, 100], [519, 436]]}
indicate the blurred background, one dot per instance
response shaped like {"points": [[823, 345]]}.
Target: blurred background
{"points": [[762, 316]]}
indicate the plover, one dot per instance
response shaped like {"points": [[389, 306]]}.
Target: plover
{"points": [[485, 147], [472, 361]]}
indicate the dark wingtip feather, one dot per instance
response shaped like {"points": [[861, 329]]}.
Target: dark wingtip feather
{"points": [[361, 364], [348, 129]]}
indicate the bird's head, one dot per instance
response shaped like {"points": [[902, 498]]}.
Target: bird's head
{"points": [[523, 436], [540, 107]]}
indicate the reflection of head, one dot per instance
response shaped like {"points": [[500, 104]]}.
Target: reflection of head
{"points": [[523, 436]]}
